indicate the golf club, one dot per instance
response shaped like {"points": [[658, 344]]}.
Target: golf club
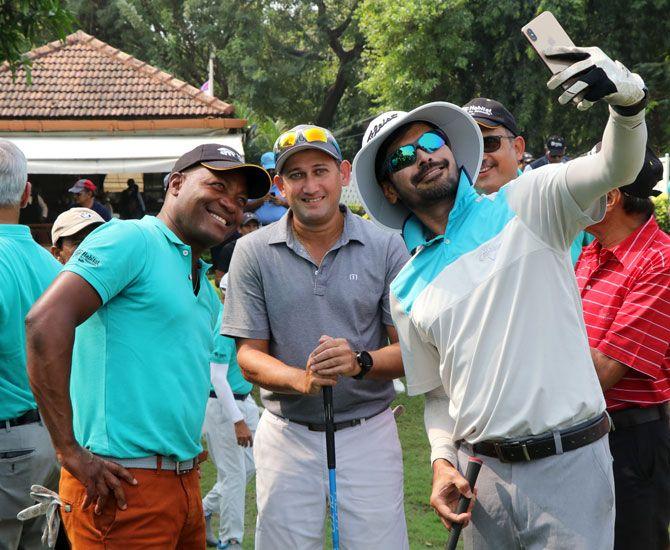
{"points": [[471, 473], [330, 455]]}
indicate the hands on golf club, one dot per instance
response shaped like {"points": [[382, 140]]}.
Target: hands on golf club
{"points": [[448, 486], [333, 357]]}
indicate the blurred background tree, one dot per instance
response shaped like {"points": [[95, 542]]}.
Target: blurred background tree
{"points": [[338, 63]]}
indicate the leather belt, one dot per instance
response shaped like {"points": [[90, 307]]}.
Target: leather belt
{"points": [[635, 416], [547, 444], [237, 396], [29, 417], [315, 427], [156, 463]]}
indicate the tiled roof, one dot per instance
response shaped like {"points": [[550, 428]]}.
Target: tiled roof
{"points": [[85, 78]]}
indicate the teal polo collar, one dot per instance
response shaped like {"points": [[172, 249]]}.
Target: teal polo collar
{"points": [[159, 224], [14, 230], [416, 234], [283, 232]]}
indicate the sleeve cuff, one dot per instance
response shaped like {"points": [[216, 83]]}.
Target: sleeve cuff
{"points": [[445, 450], [91, 278]]}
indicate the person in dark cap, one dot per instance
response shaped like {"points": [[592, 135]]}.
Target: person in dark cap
{"points": [[84, 197], [503, 151], [554, 152], [503, 144], [624, 282], [124, 403]]}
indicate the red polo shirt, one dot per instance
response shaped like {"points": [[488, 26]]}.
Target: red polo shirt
{"points": [[626, 299]]}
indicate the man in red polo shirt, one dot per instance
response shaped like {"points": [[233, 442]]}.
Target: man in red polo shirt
{"points": [[624, 281]]}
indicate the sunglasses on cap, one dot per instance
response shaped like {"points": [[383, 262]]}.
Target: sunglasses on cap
{"points": [[309, 135], [492, 143], [405, 155]]}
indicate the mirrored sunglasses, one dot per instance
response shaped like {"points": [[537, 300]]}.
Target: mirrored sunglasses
{"points": [[405, 155]]}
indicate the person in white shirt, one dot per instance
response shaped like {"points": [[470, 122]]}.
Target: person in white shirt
{"points": [[488, 313]]}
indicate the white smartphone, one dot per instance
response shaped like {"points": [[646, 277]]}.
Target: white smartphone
{"points": [[546, 32]]}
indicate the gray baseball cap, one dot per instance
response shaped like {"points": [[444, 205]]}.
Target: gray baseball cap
{"points": [[301, 137]]}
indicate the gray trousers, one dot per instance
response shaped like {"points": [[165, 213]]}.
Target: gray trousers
{"points": [[17, 474], [560, 502]]}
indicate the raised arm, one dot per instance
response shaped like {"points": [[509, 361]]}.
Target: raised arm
{"points": [[620, 158]]}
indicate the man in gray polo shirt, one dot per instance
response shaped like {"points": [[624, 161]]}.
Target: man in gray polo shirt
{"points": [[308, 303]]}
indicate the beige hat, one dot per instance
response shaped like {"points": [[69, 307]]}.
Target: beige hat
{"points": [[72, 221]]}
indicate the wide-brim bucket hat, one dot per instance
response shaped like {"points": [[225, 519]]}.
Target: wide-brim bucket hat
{"points": [[465, 141]]}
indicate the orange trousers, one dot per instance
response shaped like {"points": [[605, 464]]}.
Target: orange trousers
{"points": [[164, 512]]}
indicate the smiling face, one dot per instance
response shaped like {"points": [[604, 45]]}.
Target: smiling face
{"points": [[206, 205], [499, 167], [312, 182], [432, 178]]}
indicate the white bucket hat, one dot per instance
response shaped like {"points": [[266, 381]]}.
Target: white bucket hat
{"points": [[465, 142]]}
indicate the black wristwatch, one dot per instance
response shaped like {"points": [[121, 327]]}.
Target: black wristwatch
{"points": [[364, 360]]}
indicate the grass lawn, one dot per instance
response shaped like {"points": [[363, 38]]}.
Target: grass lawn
{"points": [[425, 530]]}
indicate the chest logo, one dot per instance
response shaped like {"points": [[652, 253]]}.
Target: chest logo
{"points": [[489, 252], [353, 277]]}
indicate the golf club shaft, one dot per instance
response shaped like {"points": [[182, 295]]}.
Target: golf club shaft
{"points": [[330, 456], [471, 473]]}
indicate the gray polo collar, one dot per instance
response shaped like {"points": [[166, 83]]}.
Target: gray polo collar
{"points": [[351, 231]]}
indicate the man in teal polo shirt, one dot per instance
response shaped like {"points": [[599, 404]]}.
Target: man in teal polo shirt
{"points": [[26, 269], [138, 373], [230, 423]]}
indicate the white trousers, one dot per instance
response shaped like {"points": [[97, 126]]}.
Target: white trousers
{"points": [[234, 467], [292, 485]]}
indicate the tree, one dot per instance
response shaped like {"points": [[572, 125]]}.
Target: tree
{"points": [[454, 50], [296, 60], [24, 23]]}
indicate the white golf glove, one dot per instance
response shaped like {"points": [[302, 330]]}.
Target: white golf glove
{"points": [[48, 503], [595, 76]]}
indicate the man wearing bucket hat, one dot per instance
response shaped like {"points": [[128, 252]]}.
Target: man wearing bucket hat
{"points": [[488, 312], [124, 403], [307, 302]]}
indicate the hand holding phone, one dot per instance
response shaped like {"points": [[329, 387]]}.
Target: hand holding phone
{"points": [[586, 74]]}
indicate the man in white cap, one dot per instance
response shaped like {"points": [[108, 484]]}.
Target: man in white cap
{"points": [[69, 229], [489, 316]]}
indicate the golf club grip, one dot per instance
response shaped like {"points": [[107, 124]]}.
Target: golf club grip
{"points": [[330, 425], [471, 473]]}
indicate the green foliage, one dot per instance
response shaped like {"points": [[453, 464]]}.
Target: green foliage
{"points": [[25, 23], [296, 60], [338, 63], [662, 211], [453, 50]]}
